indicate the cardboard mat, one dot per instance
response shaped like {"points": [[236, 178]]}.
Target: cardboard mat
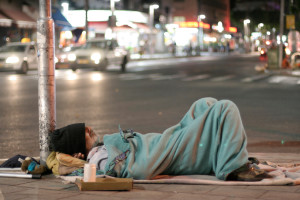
{"points": [[283, 174]]}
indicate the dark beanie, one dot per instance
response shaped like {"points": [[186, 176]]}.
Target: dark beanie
{"points": [[69, 139]]}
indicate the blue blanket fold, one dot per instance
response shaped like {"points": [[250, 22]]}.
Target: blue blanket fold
{"points": [[209, 139]]}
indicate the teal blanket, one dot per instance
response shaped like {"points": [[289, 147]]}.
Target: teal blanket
{"points": [[210, 139]]}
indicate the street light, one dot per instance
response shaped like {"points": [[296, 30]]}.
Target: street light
{"points": [[151, 24], [246, 35], [260, 25], [151, 14], [65, 6], [200, 31]]}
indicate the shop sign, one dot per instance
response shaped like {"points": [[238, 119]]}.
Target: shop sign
{"points": [[194, 24], [232, 29], [290, 21]]}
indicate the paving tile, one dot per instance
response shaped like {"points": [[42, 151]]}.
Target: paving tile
{"points": [[14, 181], [285, 188], [13, 197], [187, 196], [92, 197], [37, 194], [1, 196], [237, 198], [182, 188], [9, 188], [281, 195], [236, 191], [142, 194], [102, 193], [47, 184], [71, 188], [150, 187], [298, 188]]}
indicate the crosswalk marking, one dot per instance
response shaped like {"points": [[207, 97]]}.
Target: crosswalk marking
{"points": [[168, 77], [222, 78], [276, 79], [255, 78], [69, 75], [132, 76], [284, 79], [199, 77]]}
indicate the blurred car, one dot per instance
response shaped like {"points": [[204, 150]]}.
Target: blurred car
{"points": [[263, 52], [19, 57], [98, 54], [62, 55]]}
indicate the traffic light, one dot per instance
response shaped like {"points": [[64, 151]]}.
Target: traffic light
{"points": [[112, 21]]}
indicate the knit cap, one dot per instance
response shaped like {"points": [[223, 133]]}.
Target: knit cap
{"points": [[69, 139]]}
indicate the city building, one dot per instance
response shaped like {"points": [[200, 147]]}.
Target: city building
{"points": [[16, 21], [201, 25], [141, 25]]}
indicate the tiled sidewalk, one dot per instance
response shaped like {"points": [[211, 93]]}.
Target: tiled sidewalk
{"points": [[50, 187]]}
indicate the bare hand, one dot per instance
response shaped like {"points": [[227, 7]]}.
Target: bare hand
{"points": [[78, 155]]}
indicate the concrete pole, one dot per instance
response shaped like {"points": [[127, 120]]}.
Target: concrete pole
{"points": [[86, 20], [201, 37], [281, 33], [151, 21], [112, 7], [46, 77], [199, 34], [113, 17]]}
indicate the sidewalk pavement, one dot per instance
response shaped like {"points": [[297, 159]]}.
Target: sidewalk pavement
{"points": [[50, 187], [157, 56], [182, 55]]}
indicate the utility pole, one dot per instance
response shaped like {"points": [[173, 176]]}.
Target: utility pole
{"points": [[46, 77], [281, 33], [86, 19], [112, 20], [151, 24]]}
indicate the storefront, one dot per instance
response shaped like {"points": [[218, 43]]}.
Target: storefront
{"points": [[187, 35], [5, 23], [16, 26], [131, 29]]}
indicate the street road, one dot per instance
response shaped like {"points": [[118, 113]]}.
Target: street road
{"points": [[153, 95]]}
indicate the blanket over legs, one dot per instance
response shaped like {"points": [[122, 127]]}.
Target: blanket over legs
{"points": [[209, 139]]}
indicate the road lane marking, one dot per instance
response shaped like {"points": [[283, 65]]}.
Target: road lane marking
{"points": [[199, 77], [222, 78]]}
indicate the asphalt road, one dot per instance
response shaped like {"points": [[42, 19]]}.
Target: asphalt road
{"points": [[153, 95]]}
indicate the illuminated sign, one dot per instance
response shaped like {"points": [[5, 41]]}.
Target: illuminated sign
{"points": [[232, 29], [77, 17], [194, 25]]}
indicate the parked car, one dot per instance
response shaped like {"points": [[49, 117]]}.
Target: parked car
{"points": [[19, 57], [62, 56], [98, 54]]}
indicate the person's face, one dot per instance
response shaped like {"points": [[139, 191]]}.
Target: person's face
{"points": [[91, 139]]}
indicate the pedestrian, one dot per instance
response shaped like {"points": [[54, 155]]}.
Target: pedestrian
{"points": [[210, 139], [173, 47]]}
